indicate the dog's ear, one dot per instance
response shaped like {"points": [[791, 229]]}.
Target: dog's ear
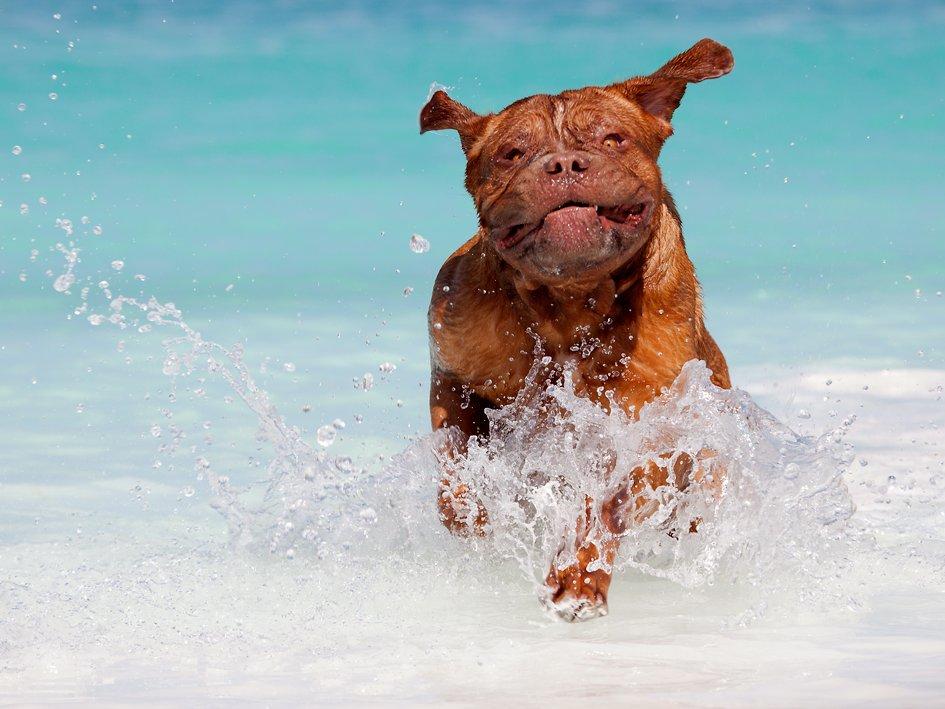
{"points": [[660, 93], [441, 112]]}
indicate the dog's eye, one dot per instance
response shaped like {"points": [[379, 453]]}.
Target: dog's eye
{"points": [[612, 141], [513, 155]]}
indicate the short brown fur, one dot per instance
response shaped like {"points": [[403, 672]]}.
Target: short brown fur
{"points": [[613, 295]]}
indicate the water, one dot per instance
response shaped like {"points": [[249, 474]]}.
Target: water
{"points": [[223, 488]]}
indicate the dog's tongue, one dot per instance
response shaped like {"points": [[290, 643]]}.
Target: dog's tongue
{"points": [[572, 228]]}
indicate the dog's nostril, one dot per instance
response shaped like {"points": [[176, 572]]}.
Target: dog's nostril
{"points": [[554, 166], [571, 163]]}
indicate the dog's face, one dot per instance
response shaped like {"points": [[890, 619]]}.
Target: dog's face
{"points": [[567, 187]]}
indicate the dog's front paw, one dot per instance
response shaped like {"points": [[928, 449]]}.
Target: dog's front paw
{"points": [[575, 594]]}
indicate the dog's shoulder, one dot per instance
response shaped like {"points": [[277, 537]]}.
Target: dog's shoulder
{"points": [[474, 329], [455, 261]]}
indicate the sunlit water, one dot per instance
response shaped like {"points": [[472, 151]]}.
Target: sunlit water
{"points": [[215, 471]]}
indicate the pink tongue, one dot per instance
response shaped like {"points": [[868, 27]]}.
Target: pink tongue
{"points": [[572, 228]]}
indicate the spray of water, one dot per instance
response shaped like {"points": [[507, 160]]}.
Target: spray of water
{"points": [[773, 518], [775, 511]]}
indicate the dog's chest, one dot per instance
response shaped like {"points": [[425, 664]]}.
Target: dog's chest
{"points": [[494, 349], [603, 366]]}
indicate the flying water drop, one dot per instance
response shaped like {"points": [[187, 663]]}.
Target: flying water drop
{"points": [[418, 244]]}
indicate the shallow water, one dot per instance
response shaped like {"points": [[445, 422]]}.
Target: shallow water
{"points": [[123, 594], [261, 170]]}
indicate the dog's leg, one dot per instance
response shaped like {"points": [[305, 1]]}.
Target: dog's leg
{"points": [[453, 406], [634, 502], [579, 590]]}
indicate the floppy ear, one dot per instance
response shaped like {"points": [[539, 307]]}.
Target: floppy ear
{"points": [[660, 93], [442, 112]]}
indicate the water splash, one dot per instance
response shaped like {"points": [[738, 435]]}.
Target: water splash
{"points": [[775, 514], [774, 519]]}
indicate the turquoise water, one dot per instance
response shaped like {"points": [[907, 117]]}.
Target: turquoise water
{"points": [[260, 165], [276, 148]]}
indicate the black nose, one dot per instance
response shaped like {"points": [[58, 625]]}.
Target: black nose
{"points": [[568, 163]]}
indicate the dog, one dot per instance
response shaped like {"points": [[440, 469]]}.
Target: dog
{"points": [[580, 249]]}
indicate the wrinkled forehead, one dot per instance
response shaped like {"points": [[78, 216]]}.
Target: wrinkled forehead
{"points": [[561, 115]]}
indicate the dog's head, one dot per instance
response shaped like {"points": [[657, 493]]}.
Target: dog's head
{"points": [[567, 186]]}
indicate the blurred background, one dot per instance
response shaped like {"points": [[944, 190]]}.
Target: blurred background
{"points": [[259, 164]]}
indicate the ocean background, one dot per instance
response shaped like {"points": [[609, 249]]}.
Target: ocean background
{"points": [[260, 166]]}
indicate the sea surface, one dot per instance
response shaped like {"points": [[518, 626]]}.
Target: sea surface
{"points": [[230, 498]]}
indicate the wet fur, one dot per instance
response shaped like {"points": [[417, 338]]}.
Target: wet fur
{"points": [[627, 328]]}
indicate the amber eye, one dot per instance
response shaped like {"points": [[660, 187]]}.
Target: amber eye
{"points": [[612, 141], [513, 155]]}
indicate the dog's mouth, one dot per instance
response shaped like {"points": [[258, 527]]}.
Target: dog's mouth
{"points": [[627, 217]]}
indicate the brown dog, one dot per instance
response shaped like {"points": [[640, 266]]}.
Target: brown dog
{"points": [[579, 246]]}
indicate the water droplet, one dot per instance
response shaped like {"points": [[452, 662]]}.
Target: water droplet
{"points": [[97, 230], [26, 177], [418, 244], [326, 435], [803, 414], [188, 491], [22, 278], [64, 282], [171, 365], [17, 150], [53, 96], [367, 381], [96, 319], [289, 366], [80, 408], [118, 264], [387, 367], [156, 431], [338, 424], [368, 515], [24, 209], [407, 291], [21, 107]]}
